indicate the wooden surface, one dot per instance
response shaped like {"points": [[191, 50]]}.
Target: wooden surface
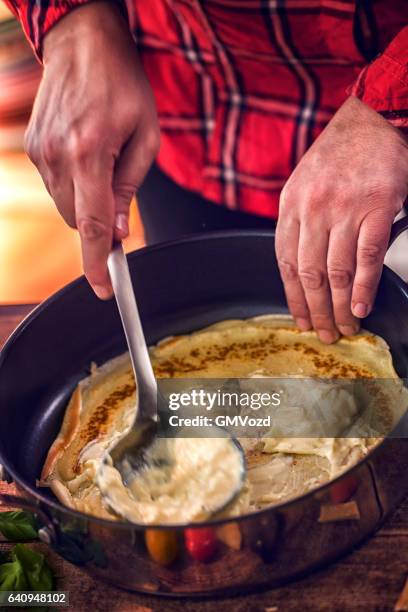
{"points": [[369, 579]]}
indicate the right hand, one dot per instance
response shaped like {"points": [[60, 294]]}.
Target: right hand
{"points": [[93, 132]]}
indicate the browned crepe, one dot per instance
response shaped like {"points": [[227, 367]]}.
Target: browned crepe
{"points": [[102, 407]]}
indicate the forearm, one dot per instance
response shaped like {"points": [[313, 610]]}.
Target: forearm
{"points": [[93, 132]]}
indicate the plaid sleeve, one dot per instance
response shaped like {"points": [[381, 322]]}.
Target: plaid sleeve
{"points": [[37, 18], [383, 84]]}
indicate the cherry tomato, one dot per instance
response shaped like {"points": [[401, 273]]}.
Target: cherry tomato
{"points": [[201, 543], [162, 545]]}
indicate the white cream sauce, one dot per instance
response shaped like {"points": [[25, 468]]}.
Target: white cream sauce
{"points": [[184, 480]]}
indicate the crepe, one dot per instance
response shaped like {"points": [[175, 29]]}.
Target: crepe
{"points": [[103, 405]]}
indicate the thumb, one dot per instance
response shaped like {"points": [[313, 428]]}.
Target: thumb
{"points": [[371, 248], [130, 170]]}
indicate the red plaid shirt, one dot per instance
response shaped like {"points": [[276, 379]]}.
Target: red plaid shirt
{"points": [[243, 87]]}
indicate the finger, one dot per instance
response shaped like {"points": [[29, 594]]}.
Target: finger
{"points": [[341, 265], [46, 177], [53, 170], [130, 170], [42, 168], [371, 248], [286, 246], [312, 265], [61, 189], [94, 210], [62, 192]]}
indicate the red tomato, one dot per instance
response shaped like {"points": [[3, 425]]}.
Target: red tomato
{"points": [[201, 543]]}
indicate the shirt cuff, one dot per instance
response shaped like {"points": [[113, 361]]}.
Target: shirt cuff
{"points": [[383, 84], [37, 18]]}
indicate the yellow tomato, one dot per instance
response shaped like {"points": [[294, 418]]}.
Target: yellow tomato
{"points": [[162, 545]]}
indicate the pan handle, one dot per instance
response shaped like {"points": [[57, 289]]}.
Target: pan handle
{"points": [[46, 533], [397, 228]]}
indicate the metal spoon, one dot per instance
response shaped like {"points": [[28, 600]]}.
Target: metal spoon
{"points": [[127, 456]]}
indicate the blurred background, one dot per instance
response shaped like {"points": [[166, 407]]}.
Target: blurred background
{"points": [[38, 252]]}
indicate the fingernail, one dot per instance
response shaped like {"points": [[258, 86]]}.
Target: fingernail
{"points": [[347, 330], [303, 324], [360, 310], [102, 292], [327, 336], [122, 223]]}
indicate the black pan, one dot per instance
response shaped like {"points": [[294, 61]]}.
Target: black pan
{"points": [[182, 286]]}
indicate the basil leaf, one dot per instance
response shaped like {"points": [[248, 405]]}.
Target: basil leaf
{"points": [[18, 525], [78, 547], [37, 571], [12, 577]]}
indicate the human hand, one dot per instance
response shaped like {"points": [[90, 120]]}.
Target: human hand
{"points": [[336, 211], [93, 132]]}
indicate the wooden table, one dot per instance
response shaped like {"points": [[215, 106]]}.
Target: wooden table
{"points": [[369, 579]]}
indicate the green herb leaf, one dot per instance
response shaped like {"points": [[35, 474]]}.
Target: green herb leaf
{"points": [[37, 572], [78, 547], [12, 577], [18, 525]]}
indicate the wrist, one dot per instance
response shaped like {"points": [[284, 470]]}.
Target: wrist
{"points": [[87, 22]]}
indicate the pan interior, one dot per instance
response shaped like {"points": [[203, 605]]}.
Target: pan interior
{"points": [[181, 287], [251, 351], [41, 419]]}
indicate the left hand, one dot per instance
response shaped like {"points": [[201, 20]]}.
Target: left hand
{"points": [[336, 212]]}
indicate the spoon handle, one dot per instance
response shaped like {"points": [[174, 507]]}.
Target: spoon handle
{"points": [[129, 313]]}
